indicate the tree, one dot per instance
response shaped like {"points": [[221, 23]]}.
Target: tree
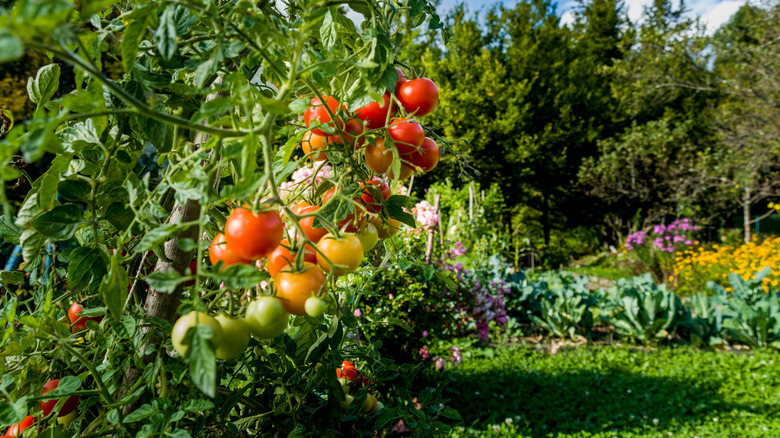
{"points": [[530, 97]]}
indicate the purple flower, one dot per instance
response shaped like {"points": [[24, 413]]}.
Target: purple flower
{"points": [[658, 229], [689, 242], [440, 362], [425, 333]]}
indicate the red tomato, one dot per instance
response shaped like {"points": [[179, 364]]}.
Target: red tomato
{"points": [[253, 236], [346, 363], [307, 223], [418, 96], [300, 206], [376, 115], [18, 428], [219, 251], [313, 142], [426, 158], [378, 158], [372, 204], [294, 288], [349, 373], [282, 258], [80, 323], [407, 135], [69, 406], [318, 112], [352, 129], [401, 79]]}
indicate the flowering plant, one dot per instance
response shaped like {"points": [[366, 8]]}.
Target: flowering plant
{"points": [[655, 251]]}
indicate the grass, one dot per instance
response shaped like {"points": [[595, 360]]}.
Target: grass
{"points": [[610, 391]]}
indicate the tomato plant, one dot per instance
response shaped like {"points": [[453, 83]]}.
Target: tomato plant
{"points": [[179, 130]]}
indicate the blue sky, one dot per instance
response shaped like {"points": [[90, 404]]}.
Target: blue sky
{"points": [[713, 13]]}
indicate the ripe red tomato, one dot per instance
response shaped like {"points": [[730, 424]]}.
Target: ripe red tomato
{"points": [[18, 428], [294, 288], [253, 236], [407, 135], [401, 79], [378, 158], [373, 205], [349, 373], [418, 96], [69, 406], [346, 363], [346, 253], [352, 222], [352, 130], [376, 115], [426, 158], [313, 142], [317, 111], [282, 258], [300, 206], [80, 323], [219, 251], [307, 223]]}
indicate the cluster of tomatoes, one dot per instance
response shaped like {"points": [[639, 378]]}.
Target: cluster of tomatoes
{"points": [[350, 379], [300, 268], [416, 152], [66, 414]]}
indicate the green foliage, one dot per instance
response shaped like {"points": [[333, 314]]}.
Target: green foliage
{"points": [[606, 391], [565, 310], [641, 310]]}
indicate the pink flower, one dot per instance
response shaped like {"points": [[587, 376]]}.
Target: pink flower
{"points": [[358, 313], [425, 333]]}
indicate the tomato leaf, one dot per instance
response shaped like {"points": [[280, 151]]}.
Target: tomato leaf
{"points": [[395, 209], [12, 413], [113, 288], [87, 268], [166, 34], [60, 222], [9, 232], [202, 359], [45, 84], [145, 411], [165, 282]]}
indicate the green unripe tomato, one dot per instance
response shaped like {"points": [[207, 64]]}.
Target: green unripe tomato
{"points": [[235, 337], [190, 320], [369, 237], [315, 307], [345, 404], [266, 317]]}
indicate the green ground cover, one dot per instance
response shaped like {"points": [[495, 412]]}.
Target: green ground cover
{"points": [[609, 391]]}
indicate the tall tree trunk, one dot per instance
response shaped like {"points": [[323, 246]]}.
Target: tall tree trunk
{"points": [[161, 305], [746, 212]]}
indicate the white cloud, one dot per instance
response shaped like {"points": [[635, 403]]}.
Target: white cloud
{"points": [[720, 14], [567, 18]]}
